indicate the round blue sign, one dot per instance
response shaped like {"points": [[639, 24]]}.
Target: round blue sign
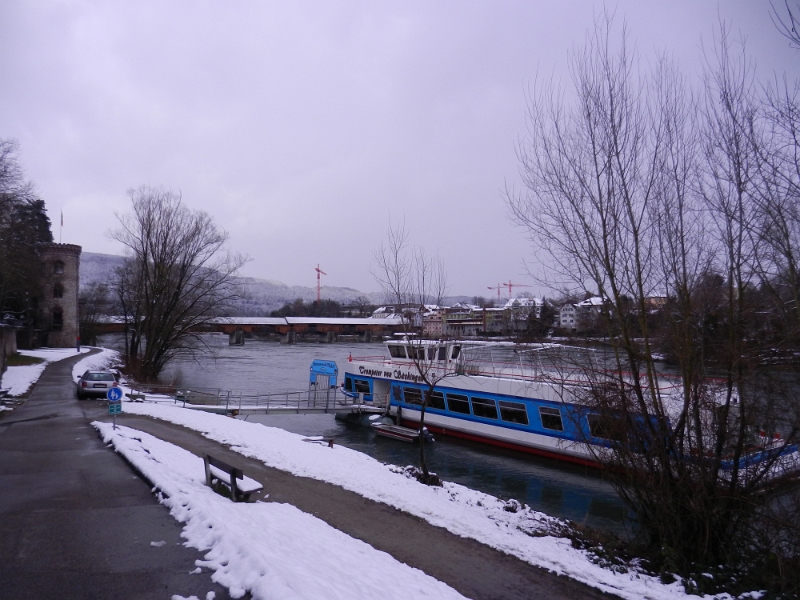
{"points": [[114, 394]]}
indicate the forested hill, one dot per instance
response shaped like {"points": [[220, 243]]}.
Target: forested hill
{"points": [[261, 296]]}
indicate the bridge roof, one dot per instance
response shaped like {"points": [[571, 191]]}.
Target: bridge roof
{"points": [[298, 321], [249, 320], [280, 321], [338, 321]]}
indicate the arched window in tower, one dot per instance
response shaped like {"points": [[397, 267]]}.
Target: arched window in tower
{"points": [[58, 267], [58, 291], [58, 319]]}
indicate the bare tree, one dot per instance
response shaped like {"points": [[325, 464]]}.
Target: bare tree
{"points": [[412, 279], [94, 302], [178, 277], [624, 197], [787, 20], [777, 197]]}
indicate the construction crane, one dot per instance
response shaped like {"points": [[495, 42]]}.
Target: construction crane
{"points": [[510, 287], [498, 288], [319, 272]]}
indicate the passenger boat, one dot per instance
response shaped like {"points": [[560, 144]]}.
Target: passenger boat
{"points": [[506, 407], [486, 393]]}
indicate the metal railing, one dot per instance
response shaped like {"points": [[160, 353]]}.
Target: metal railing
{"points": [[287, 401]]}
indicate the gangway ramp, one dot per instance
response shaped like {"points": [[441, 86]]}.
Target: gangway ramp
{"points": [[322, 396], [282, 402]]}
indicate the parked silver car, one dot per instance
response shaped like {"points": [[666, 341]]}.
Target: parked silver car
{"points": [[95, 383]]}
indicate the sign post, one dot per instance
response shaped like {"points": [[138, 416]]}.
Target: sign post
{"points": [[114, 396]]}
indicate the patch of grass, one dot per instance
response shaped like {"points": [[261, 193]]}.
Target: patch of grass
{"points": [[20, 360]]}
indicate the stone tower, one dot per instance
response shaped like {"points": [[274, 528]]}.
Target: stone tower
{"points": [[59, 304]]}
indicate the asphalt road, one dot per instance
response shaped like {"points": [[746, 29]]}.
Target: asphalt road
{"points": [[76, 522]]}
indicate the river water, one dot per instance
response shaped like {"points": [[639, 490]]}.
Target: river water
{"points": [[558, 489]]}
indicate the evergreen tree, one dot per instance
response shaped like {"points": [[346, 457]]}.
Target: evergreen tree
{"points": [[23, 225]]}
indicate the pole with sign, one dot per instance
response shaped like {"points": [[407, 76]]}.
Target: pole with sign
{"points": [[114, 396]]}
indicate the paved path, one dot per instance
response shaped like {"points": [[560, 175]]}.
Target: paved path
{"points": [[75, 521], [73, 517]]}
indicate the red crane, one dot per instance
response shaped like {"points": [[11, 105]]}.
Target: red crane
{"points": [[498, 288], [319, 272], [511, 286]]}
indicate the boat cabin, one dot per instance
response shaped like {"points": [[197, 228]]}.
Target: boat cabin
{"points": [[424, 350]]}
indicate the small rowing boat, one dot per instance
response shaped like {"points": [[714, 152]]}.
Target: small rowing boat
{"points": [[398, 432]]}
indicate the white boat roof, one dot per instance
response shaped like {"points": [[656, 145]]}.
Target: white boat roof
{"points": [[330, 321]]}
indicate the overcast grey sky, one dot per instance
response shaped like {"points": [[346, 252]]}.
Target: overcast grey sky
{"points": [[303, 126]]}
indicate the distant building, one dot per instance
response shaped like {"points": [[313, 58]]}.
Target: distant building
{"points": [[520, 310], [383, 312], [592, 307], [493, 320], [461, 320], [58, 307], [583, 315], [568, 317], [655, 303], [432, 326]]}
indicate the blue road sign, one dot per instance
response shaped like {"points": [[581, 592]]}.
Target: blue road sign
{"points": [[114, 394], [115, 408]]}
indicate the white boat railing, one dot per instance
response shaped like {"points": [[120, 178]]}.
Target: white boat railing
{"points": [[552, 364]]}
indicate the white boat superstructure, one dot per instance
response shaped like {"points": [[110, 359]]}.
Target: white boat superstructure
{"points": [[520, 397]]}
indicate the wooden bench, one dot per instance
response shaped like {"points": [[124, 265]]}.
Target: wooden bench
{"points": [[136, 396], [217, 470]]}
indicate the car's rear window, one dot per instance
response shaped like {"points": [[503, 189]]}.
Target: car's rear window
{"points": [[99, 377]]}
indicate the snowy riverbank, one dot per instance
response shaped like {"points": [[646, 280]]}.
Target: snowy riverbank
{"points": [[246, 557]]}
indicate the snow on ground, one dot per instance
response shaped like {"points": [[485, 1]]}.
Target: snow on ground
{"points": [[20, 379], [270, 549], [459, 509], [101, 360]]}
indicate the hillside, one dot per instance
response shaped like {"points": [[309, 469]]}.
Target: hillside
{"points": [[260, 296]]}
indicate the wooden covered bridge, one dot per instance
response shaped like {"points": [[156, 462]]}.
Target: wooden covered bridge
{"points": [[288, 330], [292, 329]]}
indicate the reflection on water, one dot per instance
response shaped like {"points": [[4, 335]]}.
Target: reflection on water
{"points": [[556, 488]]}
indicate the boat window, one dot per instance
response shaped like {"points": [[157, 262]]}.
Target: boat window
{"points": [[436, 400], [412, 395], [431, 352], [607, 427], [551, 418], [442, 352], [456, 352], [397, 394], [484, 407], [458, 403], [348, 383], [362, 386], [415, 353], [397, 352], [513, 412]]}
